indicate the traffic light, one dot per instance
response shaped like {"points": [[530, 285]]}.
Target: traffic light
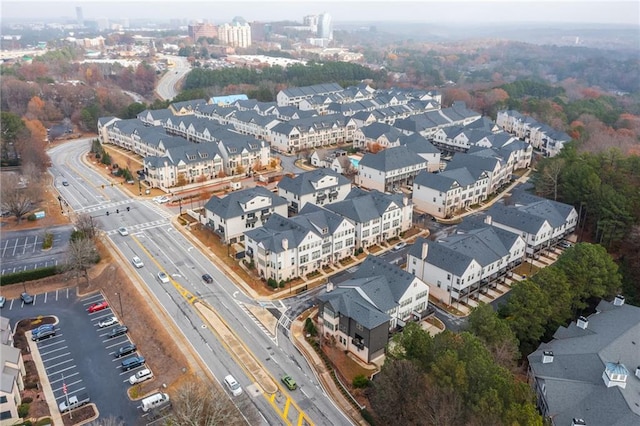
{"points": [[107, 213], [102, 186], [128, 208], [117, 210]]}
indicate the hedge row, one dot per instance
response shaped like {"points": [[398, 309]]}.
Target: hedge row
{"points": [[33, 274]]}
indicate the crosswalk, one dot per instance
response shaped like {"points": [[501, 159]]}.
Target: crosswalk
{"points": [[106, 207], [142, 226], [256, 320]]}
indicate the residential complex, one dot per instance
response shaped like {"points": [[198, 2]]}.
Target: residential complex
{"points": [[319, 187], [541, 136], [13, 374]]}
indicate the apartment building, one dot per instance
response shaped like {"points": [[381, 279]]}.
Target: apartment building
{"points": [[388, 170], [319, 187]]}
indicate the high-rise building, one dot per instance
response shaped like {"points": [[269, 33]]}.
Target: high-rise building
{"points": [[311, 21], [79, 17], [325, 30], [202, 29], [236, 34]]}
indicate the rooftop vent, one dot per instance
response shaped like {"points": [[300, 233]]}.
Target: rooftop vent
{"points": [[578, 422], [547, 357], [638, 372], [619, 300], [615, 374], [582, 322]]}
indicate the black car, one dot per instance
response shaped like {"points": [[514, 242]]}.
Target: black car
{"points": [[44, 334], [118, 331], [133, 362], [207, 278], [43, 327], [125, 350], [26, 298]]}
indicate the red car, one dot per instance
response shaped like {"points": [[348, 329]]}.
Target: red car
{"points": [[98, 307]]}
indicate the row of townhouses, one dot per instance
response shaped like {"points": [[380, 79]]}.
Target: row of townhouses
{"points": [[486, 247], [541, 136], [13, 376]]}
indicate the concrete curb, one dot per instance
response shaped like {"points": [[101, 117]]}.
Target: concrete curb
{"points": [[56, 418]]}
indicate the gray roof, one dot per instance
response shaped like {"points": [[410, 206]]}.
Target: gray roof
{"points": [[315, 217], [442, 256], [376, 130], [352, 300], [362, 206], [392, 159], [191, 105], [437, 181], [156, 114], [516, 218], [418, 144], [193, 153], [520, 197], [573, 381], [302, 184], [276, 230], [307, 124], [398, 279], [317, 89], [229, 206]]}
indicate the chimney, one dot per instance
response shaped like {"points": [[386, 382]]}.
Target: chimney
{"points": [[285, 244], [578, 422], [619, 300], [547, 357], [488, 220], [425, 250], [638, 372], [330, 286], [582, 322]]}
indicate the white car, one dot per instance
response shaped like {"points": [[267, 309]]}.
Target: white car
{"points": [[399, 246], [123, 231], [141, 376], [233, 385], [164, 278], [108, 322], [2, 300], [162, 200], [137, 262]]}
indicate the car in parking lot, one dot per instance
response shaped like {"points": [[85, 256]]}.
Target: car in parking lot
{"points": [[133, 362], [26, 298], [65, 183], [118, 331], [289, 382], [2, 301], [399, 246], [44, 334], [141, 376], [207, 278], [95, 307], [164, 278], [125, 350], [42, 328], [123, 231], [137, 262], [108, 322]]}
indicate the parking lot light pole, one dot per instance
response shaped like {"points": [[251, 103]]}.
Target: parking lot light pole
{"points": [[120, 301]]}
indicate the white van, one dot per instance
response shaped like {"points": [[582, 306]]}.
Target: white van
{"points": [[154, 401], [233, 385]]}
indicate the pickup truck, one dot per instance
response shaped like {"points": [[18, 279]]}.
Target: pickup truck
{"points": [[75, 401]]}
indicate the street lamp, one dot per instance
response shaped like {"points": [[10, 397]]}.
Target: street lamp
{"points": [[120, 300]]}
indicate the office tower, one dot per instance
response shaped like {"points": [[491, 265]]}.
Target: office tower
{"points": [[324, 27], [79, 17]]}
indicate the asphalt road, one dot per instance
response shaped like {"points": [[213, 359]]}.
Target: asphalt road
{"points": [[161, 247], [166, 88]]}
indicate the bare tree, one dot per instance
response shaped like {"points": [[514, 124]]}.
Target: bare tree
{"points": [[18, 195], [81, 256], [85, 225], [549, 179], [198, 404]]}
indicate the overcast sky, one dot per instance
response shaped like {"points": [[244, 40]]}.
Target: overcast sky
{"points": [[436, 11]]}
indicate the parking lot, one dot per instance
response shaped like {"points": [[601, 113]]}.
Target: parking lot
{"points": [[21, 251], [81, 354]]}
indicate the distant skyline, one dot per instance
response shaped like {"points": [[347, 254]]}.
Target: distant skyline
{"points": [[625, 12]]}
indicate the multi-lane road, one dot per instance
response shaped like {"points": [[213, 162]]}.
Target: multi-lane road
{"points": [[161, 247], [166, 88]]}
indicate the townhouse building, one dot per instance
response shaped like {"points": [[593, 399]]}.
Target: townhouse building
{"points": [[376, 136], [13, 375], [377, 216], [542, 137], [494, 166], [292, 96], [319, 187], [360, 313], [462, 265], [430, 122], [425, 149], [186, 107], [134, 136], [230, 216], [588, 373], [285, 248], [389, 169], [312, 132], [155, 117], [443, 194]]}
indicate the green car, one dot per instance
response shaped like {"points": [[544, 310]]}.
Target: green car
{"points": [[289, 382]]}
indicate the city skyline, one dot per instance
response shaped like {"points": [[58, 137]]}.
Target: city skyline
{"points": [[622, 12]]}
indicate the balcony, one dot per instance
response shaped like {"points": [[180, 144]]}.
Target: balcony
{"points": [[252, 220]]}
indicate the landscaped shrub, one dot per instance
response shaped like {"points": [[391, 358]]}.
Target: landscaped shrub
{"points": [[310, 327], [272, 283], [367, 416], [281, 284], [23, 410], [33, 274], [360, 381], [31, 217], [27, 400], [47, 243]]}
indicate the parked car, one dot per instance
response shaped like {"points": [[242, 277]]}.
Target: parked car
{"points": [[207, 278], [163, 199], [26, 298], [399, 246], [565, 244], [118, 331], [137, 262], [44, 334], [289, 382], [73, 402], [108, 322], [65, 183], [141, 376], [2, 301], [125, 350], [133, 362], [98, 307], [164, 278], [42, 328], [123, 231]]}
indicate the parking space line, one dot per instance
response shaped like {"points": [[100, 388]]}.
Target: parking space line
{"points": [[43, 354], [61, 371], [59, 364], [14, 248], [35, 244], [56, 357], [65, 378], [6, 244]]}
